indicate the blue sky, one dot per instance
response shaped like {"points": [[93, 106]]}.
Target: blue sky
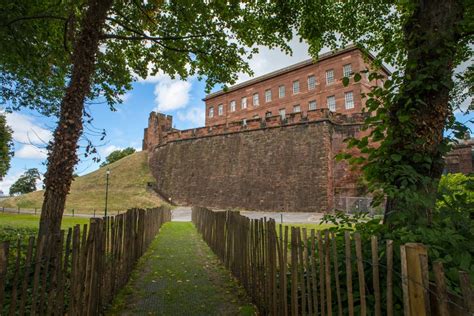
{"points": [[124, 128]]}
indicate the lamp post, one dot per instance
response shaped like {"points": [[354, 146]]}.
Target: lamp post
{"points": [[106, 190]]}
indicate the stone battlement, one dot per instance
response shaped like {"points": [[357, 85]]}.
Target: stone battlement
{"points": [[160, 131]]}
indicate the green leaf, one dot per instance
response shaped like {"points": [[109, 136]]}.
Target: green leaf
{"points": [[396, 157], [345, 81], [357, 77]]}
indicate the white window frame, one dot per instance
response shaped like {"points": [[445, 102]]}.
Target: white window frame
{"points": [[296, 86], [347, 70], [281, 91], [268, 95], [282, 113], [315, 105], [255, 100], [220, 109], [349, 100], [211, 112], [331, 105], [232, 106], [243, 103], [329, 76], [296, 107], [311, 82]]}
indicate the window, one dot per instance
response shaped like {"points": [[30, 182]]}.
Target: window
{"points": [[312, 105], [330, 76], [282, 113], [297, 109], [311, 82], [349, 100], [281, 91], [268, 114], [256, 116], [243, 103], [255, 99], [331, 101], [220, 109], [232, 106], [211, 111], [347, 70], [268, 95], [296, 86]]}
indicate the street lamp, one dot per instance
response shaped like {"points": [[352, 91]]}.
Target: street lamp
{"points": [[106, 190]]}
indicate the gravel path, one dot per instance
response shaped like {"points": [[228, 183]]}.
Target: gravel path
{"points": [[179, 275]]}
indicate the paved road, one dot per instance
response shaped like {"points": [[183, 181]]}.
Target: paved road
{"points": [[183, 214]]}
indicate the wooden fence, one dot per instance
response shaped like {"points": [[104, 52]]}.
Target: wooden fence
{"points": [[295, 271], [86, 272]]}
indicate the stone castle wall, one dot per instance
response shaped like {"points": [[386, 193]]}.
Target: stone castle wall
{"points": [[266, 164]]}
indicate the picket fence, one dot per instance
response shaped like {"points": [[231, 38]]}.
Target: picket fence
{"points": [[293, 271], [86, 272]]}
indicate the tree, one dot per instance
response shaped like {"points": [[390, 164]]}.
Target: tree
{"points": [[56, 55], [26, 183], [117, 155], [6, 146], [424, 40]]}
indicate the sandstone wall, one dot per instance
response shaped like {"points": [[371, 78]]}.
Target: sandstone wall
{"points": [[280, 168]]}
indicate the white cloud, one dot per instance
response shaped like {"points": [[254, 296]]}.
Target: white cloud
{"points": [[29, 151], [105, 151], [125, 97], [8, 181], [26, 130], [171, 94], [268, 60], [195, 115]]}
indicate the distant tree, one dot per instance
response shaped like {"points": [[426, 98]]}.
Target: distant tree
{"points": [[117, 155], [6, 146], [26, 183]]}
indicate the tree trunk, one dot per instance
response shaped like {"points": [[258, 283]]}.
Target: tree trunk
{"points": [[431, 37], [62, 153]]}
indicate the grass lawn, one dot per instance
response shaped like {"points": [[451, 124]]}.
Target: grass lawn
{"points": [[127, 188], [12, 225], [179, 275]]}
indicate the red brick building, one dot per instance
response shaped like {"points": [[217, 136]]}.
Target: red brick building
{"points": [[302, 87]]}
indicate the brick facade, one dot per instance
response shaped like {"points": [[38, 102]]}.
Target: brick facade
{"points": [[459, 159], [267, 164], [300, 73]]}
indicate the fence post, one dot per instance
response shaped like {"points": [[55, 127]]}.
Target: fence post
{"points": [[18, 210], [72, 212], [414, 299]]}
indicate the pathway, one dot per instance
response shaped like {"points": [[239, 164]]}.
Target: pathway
{"points": [[179, 275]]}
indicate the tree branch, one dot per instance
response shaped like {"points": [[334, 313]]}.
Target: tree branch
{"points": [[140, 37], [37, 17]]}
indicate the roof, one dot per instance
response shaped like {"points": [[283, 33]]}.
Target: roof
{"points": [[289, 69]]}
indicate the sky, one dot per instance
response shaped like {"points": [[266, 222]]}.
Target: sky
{"points": [[124, 128]]}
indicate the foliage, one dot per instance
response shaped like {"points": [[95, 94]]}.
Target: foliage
{"points": [[117, 155], [26, 183], [6, 146], [95, 50], [456, 192], [449, 238], [423, 41]]}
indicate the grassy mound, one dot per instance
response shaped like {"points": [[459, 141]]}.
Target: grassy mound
{"points": [[127, 188]]}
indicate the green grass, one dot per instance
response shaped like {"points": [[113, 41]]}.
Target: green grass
{"points": [[32, 221], [179, 275], [127, 189], [13, 226]]}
